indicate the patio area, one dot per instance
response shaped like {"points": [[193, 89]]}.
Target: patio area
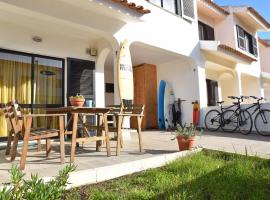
{"points": [[158, 149]]}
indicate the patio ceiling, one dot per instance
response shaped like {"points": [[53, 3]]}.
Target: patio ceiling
{"points": [[42, 27]]}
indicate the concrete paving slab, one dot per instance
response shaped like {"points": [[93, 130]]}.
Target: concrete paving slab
{"points": [[159, 149]]}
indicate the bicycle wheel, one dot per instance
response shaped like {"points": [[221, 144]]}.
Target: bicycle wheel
{"points": [[229, 122], [245, 122], [212, 120], [262, 122]]}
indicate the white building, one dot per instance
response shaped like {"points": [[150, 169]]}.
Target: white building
{"points": [[47, 49]]}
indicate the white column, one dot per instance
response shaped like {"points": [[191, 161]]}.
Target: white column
{"points": [[202, 92], [262, 90], [99, 78], [238, 85]]}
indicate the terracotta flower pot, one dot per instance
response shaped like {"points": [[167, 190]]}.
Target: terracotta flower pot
{"points": [[182, 143], [191, 142], [185, 144], [77, 102]]}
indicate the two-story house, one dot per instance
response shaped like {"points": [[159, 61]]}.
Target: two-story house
{"points": [[229, 45], [50, 50], [264, 49]]}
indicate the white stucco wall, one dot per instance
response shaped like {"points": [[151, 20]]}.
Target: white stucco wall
{"points": [[251, 86], [264, 58], [182, 75]]}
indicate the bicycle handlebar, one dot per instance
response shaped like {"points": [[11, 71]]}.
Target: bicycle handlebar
{"points": [[258, 99], [238, 98]]}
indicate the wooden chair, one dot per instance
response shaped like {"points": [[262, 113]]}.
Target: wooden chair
{"points": [[10, 132], [121, 111], [21, 125]]}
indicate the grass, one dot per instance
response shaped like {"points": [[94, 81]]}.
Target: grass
{"points": [[206, 175]]}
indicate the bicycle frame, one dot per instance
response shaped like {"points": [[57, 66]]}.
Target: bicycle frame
{"points": [[259, 109]]}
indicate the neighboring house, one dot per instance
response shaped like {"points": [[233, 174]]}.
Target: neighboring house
{"points": [[50, 50], [229, 45], [264, 49]]}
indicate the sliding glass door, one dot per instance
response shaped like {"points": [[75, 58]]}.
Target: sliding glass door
{"points": [[48, 80], [35, 81]]}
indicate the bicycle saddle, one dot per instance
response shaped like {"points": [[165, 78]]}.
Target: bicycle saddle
{"points": [[220, 102]]}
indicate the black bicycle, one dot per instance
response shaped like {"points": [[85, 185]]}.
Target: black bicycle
{"points": [[214, 118], [262, 118], [230, 120]]}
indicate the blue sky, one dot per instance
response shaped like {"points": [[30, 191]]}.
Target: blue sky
{"points": [[262, 6]]}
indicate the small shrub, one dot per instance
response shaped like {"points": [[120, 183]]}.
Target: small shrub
{"points": [[36, 188]]}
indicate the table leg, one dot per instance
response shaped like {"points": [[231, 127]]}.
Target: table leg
{"points": [[99, 133], [68, 122], [83, 126], [108, 147], [74, 135], [62, 139]]}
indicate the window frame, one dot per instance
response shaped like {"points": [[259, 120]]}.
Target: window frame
{"points": [[186, 16], [33, 56], [179, 9], [250, 42], [205, 31]]}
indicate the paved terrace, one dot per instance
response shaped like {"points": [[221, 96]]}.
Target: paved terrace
{"points": [[157, 146]]}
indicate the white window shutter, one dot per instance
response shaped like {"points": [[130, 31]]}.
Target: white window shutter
{"points": [[188, 9]]}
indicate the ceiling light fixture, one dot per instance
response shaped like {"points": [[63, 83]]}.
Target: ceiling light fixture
{"points": [[37, 39]]}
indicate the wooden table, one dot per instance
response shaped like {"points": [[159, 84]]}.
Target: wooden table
{"points": [[76, 113]]}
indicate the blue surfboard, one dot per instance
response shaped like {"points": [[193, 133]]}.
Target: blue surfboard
{"points": [[161, 91]]}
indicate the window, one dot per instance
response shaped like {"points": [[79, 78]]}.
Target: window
{"points": [[80, 75], [188, 9], [246, 41], [184, 8], [34, 81], [170, 5], [212, 92], [206, 32]]}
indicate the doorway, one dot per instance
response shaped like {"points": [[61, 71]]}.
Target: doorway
{"points": [[212, 92], [80, 79]]}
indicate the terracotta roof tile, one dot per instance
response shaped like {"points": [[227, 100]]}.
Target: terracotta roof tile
{"points": [[236, 52], [261, 18], [266, 43], [131, 5], [216, 6]]}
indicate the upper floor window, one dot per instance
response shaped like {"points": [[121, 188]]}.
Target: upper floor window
{"points": [[206, 32], [184, 8], [246, 41]]}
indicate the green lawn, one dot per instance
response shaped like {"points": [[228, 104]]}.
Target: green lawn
{"points": [[206, 175]]}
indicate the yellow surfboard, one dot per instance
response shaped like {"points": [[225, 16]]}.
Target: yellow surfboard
{"points": [[125, 73]]}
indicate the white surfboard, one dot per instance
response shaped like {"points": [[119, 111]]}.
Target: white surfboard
{"points": [[125, 73], [169, 99]]}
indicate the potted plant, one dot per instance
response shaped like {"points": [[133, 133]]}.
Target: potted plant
{"points": [[77, 100], [186, 136]]}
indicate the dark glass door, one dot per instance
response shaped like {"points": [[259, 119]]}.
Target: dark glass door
{"points": [[212, 92]]}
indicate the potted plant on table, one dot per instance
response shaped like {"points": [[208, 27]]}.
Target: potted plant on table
{"points": [[186, 136], [77, 100]]}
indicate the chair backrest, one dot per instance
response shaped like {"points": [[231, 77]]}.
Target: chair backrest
{"points": [[128, 109], [134, 109], [13, 112]]}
